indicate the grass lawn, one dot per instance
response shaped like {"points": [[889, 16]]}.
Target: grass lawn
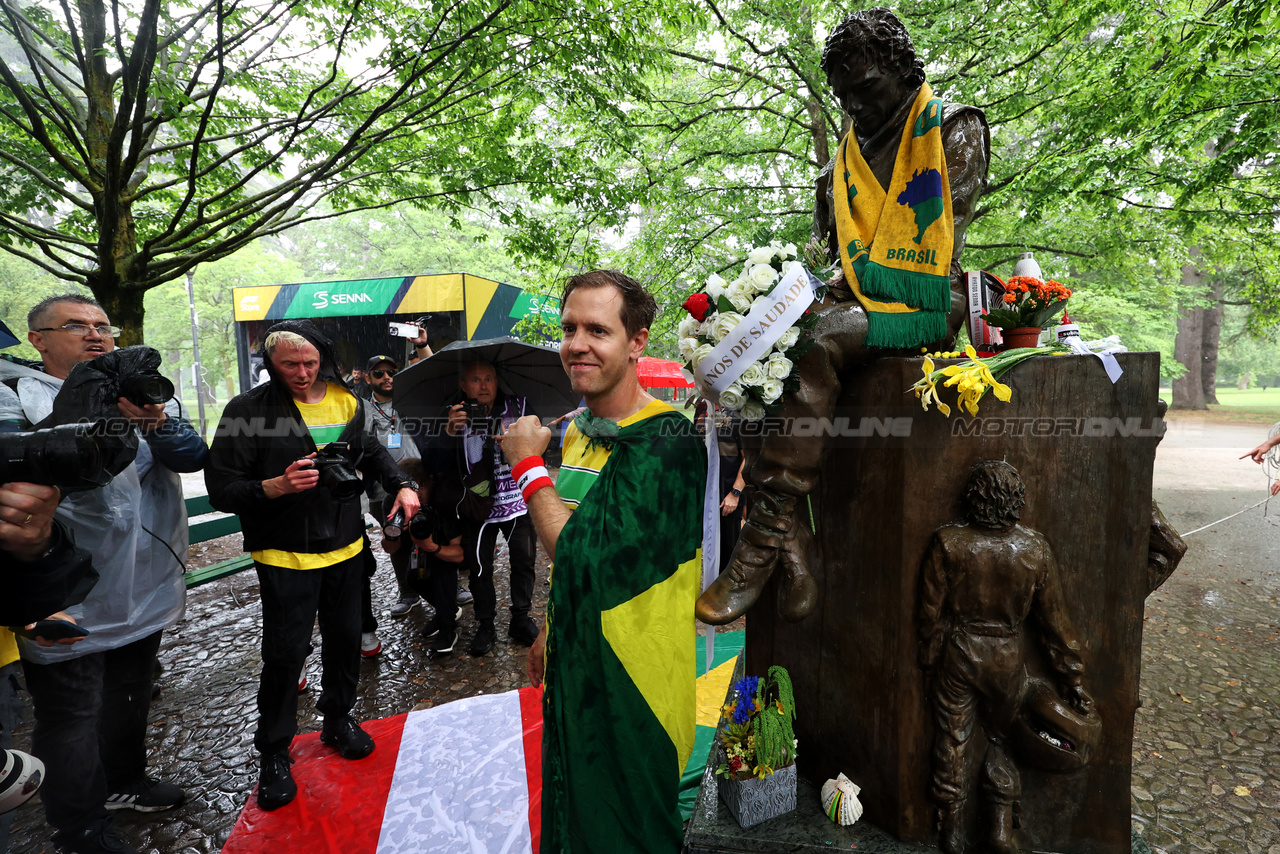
{"points": [[1250, 406]]}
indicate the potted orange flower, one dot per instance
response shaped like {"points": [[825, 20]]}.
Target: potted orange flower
{"points": [[1030, 305]]}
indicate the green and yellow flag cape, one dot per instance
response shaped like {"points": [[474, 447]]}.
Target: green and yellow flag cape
{"points": [[619, 706], [895, 247]]}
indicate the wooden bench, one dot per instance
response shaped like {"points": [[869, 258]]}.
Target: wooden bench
{"points": [[211, 529]]}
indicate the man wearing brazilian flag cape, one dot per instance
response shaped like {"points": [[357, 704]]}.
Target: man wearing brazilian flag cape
{"points": [[623, 527], [893, 206]]}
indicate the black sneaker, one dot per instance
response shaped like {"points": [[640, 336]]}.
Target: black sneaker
{"points": [[483, 641], [443, 644], [344, 735], [145, 795], [102, 838], [275, 785], [464, 596], [523, 630], [432, 628]]}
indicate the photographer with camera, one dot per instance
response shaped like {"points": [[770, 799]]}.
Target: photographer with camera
{"points": [[284, 460], [381, 371], [433, 560], [35, 546], [496, 507], [92, 698]]}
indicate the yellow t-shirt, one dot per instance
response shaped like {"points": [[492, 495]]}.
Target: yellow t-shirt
{"points": [[580, 462], [325, 421], [8, 647]]}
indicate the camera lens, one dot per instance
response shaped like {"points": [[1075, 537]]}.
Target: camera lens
{"points": [[67, 457], [423, 524], [394, 526], [142, 389]]}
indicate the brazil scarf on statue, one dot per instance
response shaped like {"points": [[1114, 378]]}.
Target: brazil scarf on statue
{"points": [[619, 702], [895, 247]]}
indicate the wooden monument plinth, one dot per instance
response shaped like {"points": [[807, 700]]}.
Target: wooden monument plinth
{"points": [[1085, 449]]}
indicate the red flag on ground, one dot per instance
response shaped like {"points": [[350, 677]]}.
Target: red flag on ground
{"points": [[464, 776]]}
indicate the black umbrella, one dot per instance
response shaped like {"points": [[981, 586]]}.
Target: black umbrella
{"points": [[530, 370]]}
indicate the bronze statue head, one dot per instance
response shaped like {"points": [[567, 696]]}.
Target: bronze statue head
{"points": [[872, 66], [994, 494]]}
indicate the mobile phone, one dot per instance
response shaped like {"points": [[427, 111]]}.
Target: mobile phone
{"points": [[51, 630], [403, 330]]}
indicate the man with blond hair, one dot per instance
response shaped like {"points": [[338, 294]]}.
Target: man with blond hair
{"points": [[305, 534]]}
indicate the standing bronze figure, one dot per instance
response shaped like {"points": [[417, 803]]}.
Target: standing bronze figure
{"points": [[987, 583], [872, 66]]}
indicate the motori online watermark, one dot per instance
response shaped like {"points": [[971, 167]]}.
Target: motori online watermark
{"points": [[1087, 427], [803, 427]]}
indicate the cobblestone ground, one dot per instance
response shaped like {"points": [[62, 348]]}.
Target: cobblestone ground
{"points": [[1206, 752], [202, 724], [1206, 749]]}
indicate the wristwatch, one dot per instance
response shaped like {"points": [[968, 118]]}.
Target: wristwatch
{"points": [[736, 491], [409, 483]]}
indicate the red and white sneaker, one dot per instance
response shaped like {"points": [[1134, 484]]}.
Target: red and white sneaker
{"points": [[370, 645]]}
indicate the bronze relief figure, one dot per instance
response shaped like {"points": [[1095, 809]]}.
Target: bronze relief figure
{"points": [[990, 606]]}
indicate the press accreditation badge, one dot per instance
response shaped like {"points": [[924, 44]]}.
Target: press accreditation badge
{"points": [[393, 441]]}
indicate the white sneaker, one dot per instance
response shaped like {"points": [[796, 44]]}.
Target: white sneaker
{"points": [[370, 645], [22, 775]]}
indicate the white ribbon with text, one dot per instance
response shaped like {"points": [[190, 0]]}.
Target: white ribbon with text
{"points": [[757, 332]]}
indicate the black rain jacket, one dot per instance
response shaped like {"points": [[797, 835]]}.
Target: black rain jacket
{"points": [[261, 433]]}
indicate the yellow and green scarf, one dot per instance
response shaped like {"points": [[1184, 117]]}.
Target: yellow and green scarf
{"points": [[895, 247]]}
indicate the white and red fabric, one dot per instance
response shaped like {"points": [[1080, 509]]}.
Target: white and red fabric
{"points": [[464, 776]]}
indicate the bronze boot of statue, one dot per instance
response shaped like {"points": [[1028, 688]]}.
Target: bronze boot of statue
{"points": [[798, 593], [951, 827], [1003, 840], [770, 533]]}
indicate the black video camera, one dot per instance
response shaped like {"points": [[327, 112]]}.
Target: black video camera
{"points": [[424, 523], [336, 471], [68, 457], [145, 386], [476, 411]]}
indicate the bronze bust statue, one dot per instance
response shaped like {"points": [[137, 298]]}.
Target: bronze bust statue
{"points": [[872, 66], [987, 583]]}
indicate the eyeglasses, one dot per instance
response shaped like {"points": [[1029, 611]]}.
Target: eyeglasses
{"points": [[377, 375], [80, 330]]}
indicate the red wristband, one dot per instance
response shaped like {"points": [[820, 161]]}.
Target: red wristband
{"points": [[524, 465], [534, 485]]}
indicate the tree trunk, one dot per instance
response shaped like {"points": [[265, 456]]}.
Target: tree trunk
{"points": [[1243, 382], [1188, 389], [123, 306], [1209, 346]]}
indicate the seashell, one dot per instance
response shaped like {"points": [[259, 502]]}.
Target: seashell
{"points": [[840, 800]]}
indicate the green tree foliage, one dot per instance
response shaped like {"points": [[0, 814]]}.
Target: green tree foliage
{"points": [[1122, 135], [140, 139], [404, 241], [168, 319]]}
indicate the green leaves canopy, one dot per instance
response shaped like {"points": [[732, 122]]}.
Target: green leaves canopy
{"points": [[137, 140]]}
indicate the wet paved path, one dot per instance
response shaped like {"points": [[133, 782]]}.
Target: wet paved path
{"points": [[202, 724], [1207, 742]]}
